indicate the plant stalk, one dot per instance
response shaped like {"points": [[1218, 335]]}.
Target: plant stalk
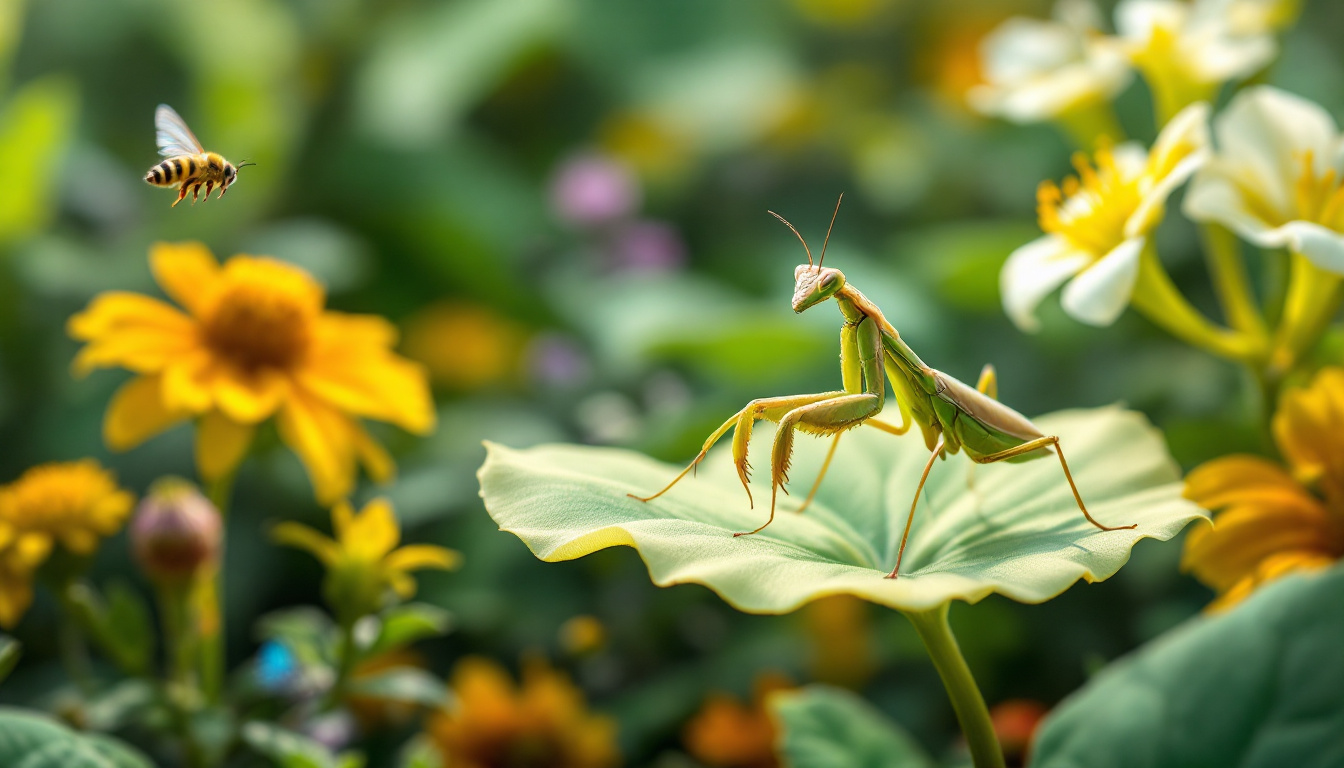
{"points": [[967, 702], [207, 598], [1158, 299]]}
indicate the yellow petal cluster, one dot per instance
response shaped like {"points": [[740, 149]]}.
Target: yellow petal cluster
{"points": [[248, 340], [1270, 519], [544, 721], [74, 504], [363, 559]]}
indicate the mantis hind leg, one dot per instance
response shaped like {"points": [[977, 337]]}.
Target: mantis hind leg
{"points": [[910, 519], [769, 408], [1048, 442], [830, 416]]}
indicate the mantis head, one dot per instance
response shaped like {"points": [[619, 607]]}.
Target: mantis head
{"points": [[813, 282], [814, 285]]}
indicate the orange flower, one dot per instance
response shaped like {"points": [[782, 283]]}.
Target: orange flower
{"points": [[252, 340], [1271, 520], [726, 733], [545, 722]]}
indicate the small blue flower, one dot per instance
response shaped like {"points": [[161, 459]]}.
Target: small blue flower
{"points": [[277, 666]]}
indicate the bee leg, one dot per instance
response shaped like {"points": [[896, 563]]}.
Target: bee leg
{"points": [[195, 193], [222, 189], [181, 195], [209, 187]]}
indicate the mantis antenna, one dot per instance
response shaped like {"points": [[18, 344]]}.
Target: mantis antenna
{"points": [[800, 237], [828, 230]]}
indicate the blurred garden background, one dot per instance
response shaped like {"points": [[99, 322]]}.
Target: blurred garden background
{"points": [[561, 205]]}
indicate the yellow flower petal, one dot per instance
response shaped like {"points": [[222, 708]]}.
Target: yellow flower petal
{"points": [[303, 537], [1241, 479], [372, 533], [321, 438], [373, 456], [188, 383], [1244, 535], [365, 378], [250, 397], [131, 331], [136, 413], [1273, 567], [221, 443], [16, 594], [1308, 428], [186, 272], [414, 557]]}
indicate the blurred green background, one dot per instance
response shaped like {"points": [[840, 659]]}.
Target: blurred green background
{"points": [[563, 205]]}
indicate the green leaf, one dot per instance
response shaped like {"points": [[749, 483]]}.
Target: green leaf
{"points": [[1255, 687], [408, 623], [130, 632], [288, 749], [10, 651], [404, 684], [34, 129], [825, 727], [30, 740], [1016, 531], [420, 752], [307, 632]]}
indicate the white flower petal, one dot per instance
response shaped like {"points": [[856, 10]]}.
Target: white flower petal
{"points": [[1263, 136], [1136, 19], [1324, 247], [1180, 150], [1216, 194], [1032, 272], [1100, 293]]}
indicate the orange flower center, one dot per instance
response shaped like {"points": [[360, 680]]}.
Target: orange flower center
{"points": [[1091, 209], [258, 322]]}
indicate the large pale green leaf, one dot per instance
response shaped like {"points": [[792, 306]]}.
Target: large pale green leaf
{"points": [[1261, 686], [30, 740], [825, 727], [1017, 531]]}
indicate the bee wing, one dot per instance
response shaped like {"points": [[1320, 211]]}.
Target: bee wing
{"points": [[172, 134]]}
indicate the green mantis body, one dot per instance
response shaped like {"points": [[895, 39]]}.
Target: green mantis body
{"points": [[952, 415]]}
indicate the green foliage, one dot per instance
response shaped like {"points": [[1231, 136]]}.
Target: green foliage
{"points": [[1257, 686], [404, 624], [287, 749], [10, 652], [405, 685], [35, 126], [825, 727], [29, 740], [1015, 531]]}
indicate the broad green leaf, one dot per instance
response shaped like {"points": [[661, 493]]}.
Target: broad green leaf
{"points": [[122, 703], [130, 631], [308, 632], [407, 685], [1016, 530], [31, 740], [825, 727], [408, 623], [288, 749], [34, 128], [1255, 687], [10, 651]]}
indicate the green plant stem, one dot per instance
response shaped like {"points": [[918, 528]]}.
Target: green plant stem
{"points": [[1228, 271], [177, 635], [1086, 125], [1310, 302], [1158, 299], [209, 598], [345, 664], [967, 702]]}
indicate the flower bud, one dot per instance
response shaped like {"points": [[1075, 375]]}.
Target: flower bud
{"points": [[176, 531]]}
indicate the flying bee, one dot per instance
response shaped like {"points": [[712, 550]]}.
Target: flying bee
{"points": [[188, 164]]}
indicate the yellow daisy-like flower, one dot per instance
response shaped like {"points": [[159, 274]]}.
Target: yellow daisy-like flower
{"points": [[74, 504], [497, 724], [252, 340], [364, 560], [1272, 520]]}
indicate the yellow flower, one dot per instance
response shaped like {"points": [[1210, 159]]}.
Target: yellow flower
{"points": [[74, 503], [463, 346], [1271, 520], [726, 733], [496, 724], [254, 341], [364, 560]]}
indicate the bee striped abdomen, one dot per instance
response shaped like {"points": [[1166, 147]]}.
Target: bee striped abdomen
{"points": [[172, 171]]}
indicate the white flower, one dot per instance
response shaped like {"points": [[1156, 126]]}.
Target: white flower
{"points": [[1192, 45], [1036, 70], [1098, 224], [1276, 177], [1246, 17]]}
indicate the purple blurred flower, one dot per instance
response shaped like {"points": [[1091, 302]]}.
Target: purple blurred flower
{"points": [[645, 245], [556, 360], [591, 190]]}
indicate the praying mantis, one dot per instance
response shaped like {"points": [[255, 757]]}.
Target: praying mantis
{"points": [[951, 415]]}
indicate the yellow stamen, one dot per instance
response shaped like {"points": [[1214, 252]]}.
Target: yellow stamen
{"points": [[1090, 209]]}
